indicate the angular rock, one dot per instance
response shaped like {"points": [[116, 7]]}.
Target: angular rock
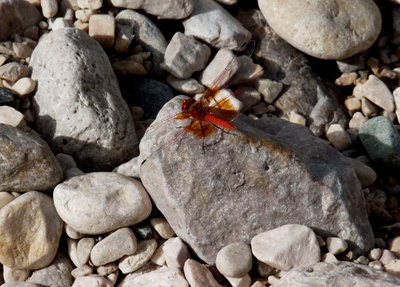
{"points": [[57, 274], [102, 29], [162, 277], [30, 230], [27, 162], [92, 280], [85, 116], [175, 252], [7, 97], [337, 274], [382, 142], [185, 55], [113, 247], [148, 35], [339, 138], [186, 86], [215, 26], [13, 71], [199, 275], [82, 201], [242, 182], [304, 92], [145, 249], [325, 29], [336, 245], [10, 116], [287, 247], [15, 16], [10, 275]]}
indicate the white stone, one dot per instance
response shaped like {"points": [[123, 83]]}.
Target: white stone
{"points": [[92, 281], [297, 118], [22, 50], [393, 267], [49, 8], [175, 252], [366, 175], [215, 26], [368, 108], [269, 89], [113, 247], [130, 168], [30, 231], [24, 86], [328, 257], [247, 72], [375, 254], [163, 277], [159, 256], [357, 120], [352, 104], [90, 4], [244, 281], [102, 29], [322, 27], [376, 91], [10, 116], [338, 137], [83, 250], [220, 70], [336, 245], [125, 200], [287, 247], [199, 275], [84, 14], [162, 227], [58, 23], [234, 260], [82, 271], [186, 86], [107, 269], [387, 257], [145, 250], [185, 55]]}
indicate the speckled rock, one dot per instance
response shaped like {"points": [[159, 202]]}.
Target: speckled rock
{"points": [[27, 161], [30, 230], [325, 29], [86, 116], [125, 200]]}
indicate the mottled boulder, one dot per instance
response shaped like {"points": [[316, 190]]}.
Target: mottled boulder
{"points": [[26, 161], [78, 105], [234, 185]]}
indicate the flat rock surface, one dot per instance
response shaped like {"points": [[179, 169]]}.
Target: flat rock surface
{"points": [[78, 104], [335, 274], [325, 29], [26, 161], [261, 177]]}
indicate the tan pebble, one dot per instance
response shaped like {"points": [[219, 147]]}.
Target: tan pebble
{"points": [[338, 137], [102, 29], [373, 63], [145, 250], [3, 59], [90, 4], [366, 175], [10, 116], [346, 79], [328, 257], [5, 197], [84, 14], [137, 113], [394, 246], [376, 265], [297, 118], [387, 257], [393, 267], [375, 254], [353, 105], [258, 284], [129, 68], [106, 269], [387, 73], [81, 25], [24, 86], [82, 271], [368, 108], [264, 269], [390, 115], [162, 227], [362, 260], [176, 252], [49, 8], [357, 121], [43, 25], [244, 281], [11, 275], [199, 275], [336, 245], [273, 279], [159, 256], [234, 260], [22, 50]]}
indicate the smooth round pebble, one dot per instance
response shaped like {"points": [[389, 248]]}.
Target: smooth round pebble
{"points": [[82, 201], [234, 260], [325, 29], [24, 86], [366, 175], [336, 245], [162, 227]]}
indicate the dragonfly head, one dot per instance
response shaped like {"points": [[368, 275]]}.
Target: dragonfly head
{"points": [[186, 104]]}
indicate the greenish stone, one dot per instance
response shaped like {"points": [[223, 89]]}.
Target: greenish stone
{"points": [[382, 142]]}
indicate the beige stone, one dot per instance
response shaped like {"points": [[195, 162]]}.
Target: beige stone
{"points": [[102, 29]]}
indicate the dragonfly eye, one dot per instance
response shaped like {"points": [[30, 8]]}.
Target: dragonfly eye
{"points": [[187, 103]]}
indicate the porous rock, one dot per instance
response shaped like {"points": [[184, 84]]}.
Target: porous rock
{"points": [[78, 105], [30, 230], [325, 29], [27, 162], [324, 274], [266, 174], [124, 199]]}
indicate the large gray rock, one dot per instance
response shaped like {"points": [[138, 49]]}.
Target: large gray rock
{"points": [[234, 185], [78, 105], [26, 161], [325, 29], [340, 273], [303, 92]]}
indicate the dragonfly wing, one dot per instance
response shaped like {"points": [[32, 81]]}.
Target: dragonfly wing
{"points": [[225, 106]]}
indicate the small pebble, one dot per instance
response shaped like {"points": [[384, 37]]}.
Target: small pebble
{"points": [[394, 246], [49, 8], [362, 260], [10, 116], [145, 250], [328, 257], [366, 175], [338, 137], [82, 271], [11, 275], [376, 264], [336, 245], [175, 252], [357, 120], [186, 86], [90, 4], [199, 275], [296, 118], [244, 281], [234, 260], [387, 257], [393, 267], [24, 86], [352, 104], [102, 29], [92, 280], [368, 108], [375, 254], [83, 248], [162, 227], [269, 89]]}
